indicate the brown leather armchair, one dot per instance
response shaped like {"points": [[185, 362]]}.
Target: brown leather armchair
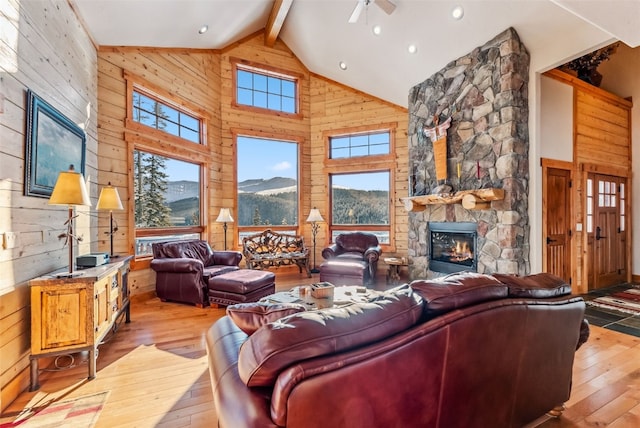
{"points": [[351, 259], [183, 269]]}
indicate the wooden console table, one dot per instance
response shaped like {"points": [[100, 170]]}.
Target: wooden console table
{"points": [[69, 315]]}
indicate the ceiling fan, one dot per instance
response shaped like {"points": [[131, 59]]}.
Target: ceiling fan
{"points": [[385, 5]]}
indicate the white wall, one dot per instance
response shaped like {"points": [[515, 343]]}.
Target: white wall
{"points": [[556, 120]]}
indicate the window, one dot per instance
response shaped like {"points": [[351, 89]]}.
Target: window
{"points": [[360, 202], [348, 146], [167, 199], [168, 157], [267, 185], [158, 115], [359, 165], [266, 89]]}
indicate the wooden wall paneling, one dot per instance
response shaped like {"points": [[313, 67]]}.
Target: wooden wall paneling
{"points": [[602, 144], [53, 56], [346, 109]]}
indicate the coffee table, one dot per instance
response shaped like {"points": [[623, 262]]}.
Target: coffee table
{"points": [[342, 296]]}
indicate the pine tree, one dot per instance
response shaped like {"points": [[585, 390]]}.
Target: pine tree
{"points": [[256, 217], [150, 187]]}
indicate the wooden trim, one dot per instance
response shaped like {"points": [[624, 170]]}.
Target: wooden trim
{"points": [[278, 14], [563, 77], [155, 50], [269, 69], [554, 163], [605, 170]]}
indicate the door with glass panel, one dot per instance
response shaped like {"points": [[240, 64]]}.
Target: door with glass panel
{"points": [[606, 229]]}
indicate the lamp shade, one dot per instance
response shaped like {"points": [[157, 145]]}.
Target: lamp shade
{"points": [[70, 189], [109, 199], [224, 216], [314, 216]]}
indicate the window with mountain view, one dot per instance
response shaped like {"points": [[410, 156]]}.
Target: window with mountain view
{"points": [[166, 199], [266, 89], [360, 202], [267, 174]]}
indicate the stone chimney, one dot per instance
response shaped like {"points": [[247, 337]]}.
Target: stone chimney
{"points": [[485, 95]]}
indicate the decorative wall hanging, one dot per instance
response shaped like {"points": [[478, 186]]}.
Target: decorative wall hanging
{"points": [[53, 142], [438, 136]]}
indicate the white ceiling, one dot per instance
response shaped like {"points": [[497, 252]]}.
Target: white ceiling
{"points": [[317, 31]]}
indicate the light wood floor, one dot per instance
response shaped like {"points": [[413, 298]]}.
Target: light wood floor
{"points": [[156, 371]]}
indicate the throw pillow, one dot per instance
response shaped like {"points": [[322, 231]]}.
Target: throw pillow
{"points": [[457, 290], [251, 316], [538, 286]]}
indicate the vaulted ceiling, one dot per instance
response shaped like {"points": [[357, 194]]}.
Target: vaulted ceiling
{"points": [[319, 34]]}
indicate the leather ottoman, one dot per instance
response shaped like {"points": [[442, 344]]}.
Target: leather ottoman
{"points": [[343, 272], [240, 286]]}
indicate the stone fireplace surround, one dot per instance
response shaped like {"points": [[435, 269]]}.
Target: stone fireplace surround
{"points": [[485, 94]]}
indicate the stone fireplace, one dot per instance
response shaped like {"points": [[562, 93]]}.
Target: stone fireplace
{"points": [[484, 94]]}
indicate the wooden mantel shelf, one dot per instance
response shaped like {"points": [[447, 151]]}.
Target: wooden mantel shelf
{"points": [[474, 199]]}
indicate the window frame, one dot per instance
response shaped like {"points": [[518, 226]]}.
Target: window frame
{"points": [[150, 140], [362, 164], [152, 91], [240, 64], [279, 138]]}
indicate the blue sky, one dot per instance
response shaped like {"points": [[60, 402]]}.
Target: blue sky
{"points": [[268, 158]]}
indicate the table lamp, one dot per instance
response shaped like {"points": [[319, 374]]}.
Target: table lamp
{"points": [[314, 218], [110, 200], [70, 190], [225, 217]]}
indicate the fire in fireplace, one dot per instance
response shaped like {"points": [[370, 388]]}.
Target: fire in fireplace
{"points": [[452, 247]]}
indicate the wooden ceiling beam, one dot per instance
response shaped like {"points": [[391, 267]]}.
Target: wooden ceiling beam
{"points": [[276, 21]]}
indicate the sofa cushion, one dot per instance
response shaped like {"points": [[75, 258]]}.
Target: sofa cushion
{"points": [[310, 334], [457, 291], [538, 286], [251, 316], [194, 249], [357, 242]]}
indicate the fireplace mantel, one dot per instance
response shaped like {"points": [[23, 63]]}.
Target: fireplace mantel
{"points": [[473, 199]]}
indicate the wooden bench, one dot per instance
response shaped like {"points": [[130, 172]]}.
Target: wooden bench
{"points": [[271, 249]]}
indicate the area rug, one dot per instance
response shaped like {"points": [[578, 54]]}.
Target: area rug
{"points": [[78, 412], [627, 301]]}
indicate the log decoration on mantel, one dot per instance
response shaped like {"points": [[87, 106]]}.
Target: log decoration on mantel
{"points": [[438, 136], [474, 199]]}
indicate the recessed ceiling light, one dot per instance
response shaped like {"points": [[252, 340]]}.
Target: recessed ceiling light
{"points": [[412, 48], [377, 30], [342, 65], [457, 12], [203, 29]]}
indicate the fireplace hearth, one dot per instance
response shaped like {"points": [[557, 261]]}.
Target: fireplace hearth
{"points": [[452, 246]]}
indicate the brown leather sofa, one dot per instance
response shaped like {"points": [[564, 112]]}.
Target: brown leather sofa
{"points": [[467, 350], [183, 269], [351, 260]]}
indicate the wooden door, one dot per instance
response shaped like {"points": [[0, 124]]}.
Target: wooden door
{"points": [[557, 231], [609, 231]]}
